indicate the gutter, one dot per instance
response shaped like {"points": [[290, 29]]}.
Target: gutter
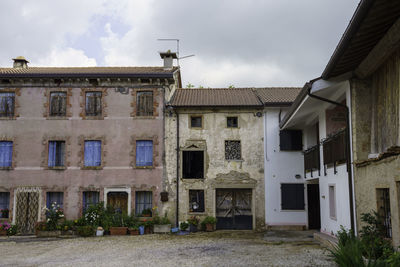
{"points": [[348, 149], [177, 169]]}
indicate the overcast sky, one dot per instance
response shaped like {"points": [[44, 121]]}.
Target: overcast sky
{"points": [[243, 43]]}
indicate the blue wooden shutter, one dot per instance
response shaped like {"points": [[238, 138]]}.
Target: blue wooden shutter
{"points": [[92, 153], [144, 153], [52, 154], [6, 153]]}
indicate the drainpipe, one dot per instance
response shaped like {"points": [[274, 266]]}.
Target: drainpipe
{"points": [[348, 160], [177, 169]]}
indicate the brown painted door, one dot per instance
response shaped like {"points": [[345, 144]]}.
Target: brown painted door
{"points": [[233, 209], [27, 210], [118, 200], [314, 217]]}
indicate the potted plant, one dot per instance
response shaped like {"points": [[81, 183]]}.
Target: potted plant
{"points": [[134, 230], [146, 213], [162, 225], [51, 227], [133, 225], [193, 223], [184, 226], [209, 223], [118, 225], [148, 226], [4, 213], [4, 228]]}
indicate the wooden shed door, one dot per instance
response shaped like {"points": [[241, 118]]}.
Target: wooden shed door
{"points": [[233, 208]]}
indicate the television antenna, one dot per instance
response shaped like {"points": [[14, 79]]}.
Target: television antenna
{"points": [[177, 48]]}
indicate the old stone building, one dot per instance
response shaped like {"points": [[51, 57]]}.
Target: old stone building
{"points": [[77, 136]]}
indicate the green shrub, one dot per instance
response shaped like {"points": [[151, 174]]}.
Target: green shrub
{"points": [[348, 253], [85, 230], [183, 226], [209, 220], [12, 230]]}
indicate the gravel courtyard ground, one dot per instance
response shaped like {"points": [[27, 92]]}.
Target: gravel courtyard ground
{"points": [[228, 248]]}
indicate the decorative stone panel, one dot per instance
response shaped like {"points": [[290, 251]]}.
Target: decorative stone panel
{"points": [[104, 93]]}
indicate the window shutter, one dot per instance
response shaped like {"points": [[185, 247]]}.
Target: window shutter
{"points": [[63, 104], [149, 104], [144, 153], [6, 153], [98, 104], [52, 154]]}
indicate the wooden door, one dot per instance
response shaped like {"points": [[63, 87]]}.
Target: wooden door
{"points": [[119, 201], [233, 209], [314, 215]]}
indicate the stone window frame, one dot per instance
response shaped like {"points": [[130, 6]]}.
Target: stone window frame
{"points": [[204, 201], [17, 92], [104, 113], [14, 152], [45, 152], [190, 121], [156, 94], [81, 153], [241, 152], [80, 196], [194, 145], [68, 106], [140, 188], [153, 138], [43, 198]]}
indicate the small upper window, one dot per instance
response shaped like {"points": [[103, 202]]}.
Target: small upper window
{"points": [[92, 153], [291, 140], [144, 103], [6, 149], [7, 103], [93, 104], [233, 150], [56, 153], [58, 104], [196, 121], [232, 122]]}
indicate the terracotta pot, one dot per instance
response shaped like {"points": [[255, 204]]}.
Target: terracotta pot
{"points": [[133, 232], [209, 227], [3, 232], [118, 230]]}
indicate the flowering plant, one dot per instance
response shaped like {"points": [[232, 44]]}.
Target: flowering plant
{"points": [[194, 220], [5, 226], [53, 215]]}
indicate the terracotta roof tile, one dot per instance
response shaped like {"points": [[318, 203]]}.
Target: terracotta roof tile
{"points": [[278, 95]]}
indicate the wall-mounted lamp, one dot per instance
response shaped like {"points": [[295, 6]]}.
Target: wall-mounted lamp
{"points": [[297, 176]]}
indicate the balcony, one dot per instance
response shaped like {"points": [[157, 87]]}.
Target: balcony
{"points": [[334, 148], [312, 160]]}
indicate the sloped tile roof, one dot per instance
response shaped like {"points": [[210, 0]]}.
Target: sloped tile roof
{"points": [[86, 72], [233, 97]]}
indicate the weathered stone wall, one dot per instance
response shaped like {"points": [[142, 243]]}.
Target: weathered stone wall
{"points": [[32, 129], [219, 173]]}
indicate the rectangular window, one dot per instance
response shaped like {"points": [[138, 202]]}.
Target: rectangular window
{"points": [[144, 104], [332, 202], [193, 164], [93, 104], [4, 204], [7, 103], [232, 122], [233, 150], [196, 121], [144, 153], [196, 200], [6, 149], [58, 104], [143, 201], [292, 196], [89, 198], [56, 153], [291, 140], [56, 198], [92, 153], [383, 205]]}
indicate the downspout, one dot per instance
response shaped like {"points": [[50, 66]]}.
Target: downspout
{"points": [[348, 159], [177, 169]]}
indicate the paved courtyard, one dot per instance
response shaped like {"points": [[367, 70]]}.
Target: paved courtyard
{"points": [[227, 248]]}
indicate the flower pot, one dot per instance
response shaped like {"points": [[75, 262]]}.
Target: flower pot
{"points": [[162, 228], [118, 230], [192, 228], [99, 232], [3, 232], [133, 231], [45, 234], [209, 227]]}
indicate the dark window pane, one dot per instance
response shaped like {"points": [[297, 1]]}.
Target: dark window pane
{"points": [[292, 196], [56, 153], [291, 140], [232, 150], [144, 104], [232, 122], [143, 200], [93, 104], [89, 198], [6, 149], [196, 200], [4, 204], [196, 121], [7, 102], [193, 164], [58, 103]]}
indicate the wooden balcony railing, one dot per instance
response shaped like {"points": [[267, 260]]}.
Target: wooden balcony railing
{"points": [[312, 160], [334, 148]]}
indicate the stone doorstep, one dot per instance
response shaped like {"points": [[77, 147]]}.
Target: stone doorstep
{"points": [[326, 240], [294, 227]]}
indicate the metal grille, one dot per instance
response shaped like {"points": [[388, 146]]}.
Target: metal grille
{"points": [[7, 103], [383, 201], [58, 104], [232, 150], [93, 104]]}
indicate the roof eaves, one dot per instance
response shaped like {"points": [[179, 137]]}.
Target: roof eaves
{"points": [[85, 75]]}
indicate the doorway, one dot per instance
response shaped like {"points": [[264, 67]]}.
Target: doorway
{"points": [[233, 209], [118, 201], [27, 211], [314, 215]]}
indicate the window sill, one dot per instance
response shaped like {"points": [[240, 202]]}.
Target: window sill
{"points": [[197, 213], [303, 210], [6, 168], [57, 117], [93, 118], [8, 118], [235, 160], [144, 167], [144, 117], [57, 168], [92, 168], [333, 218]]}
